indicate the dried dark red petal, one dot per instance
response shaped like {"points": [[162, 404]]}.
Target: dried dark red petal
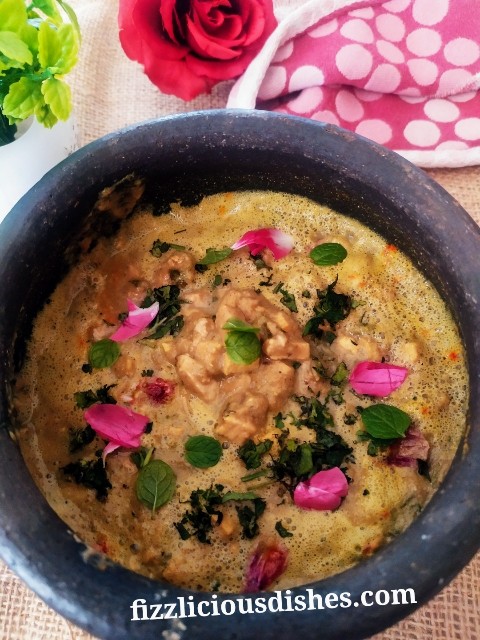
{"points": [[267, 563], [159, 391]]}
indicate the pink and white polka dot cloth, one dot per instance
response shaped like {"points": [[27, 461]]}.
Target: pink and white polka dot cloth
{"points": [[404, 73]]}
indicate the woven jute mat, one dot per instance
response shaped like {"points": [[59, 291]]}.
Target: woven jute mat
{"points": [[110, 92]]}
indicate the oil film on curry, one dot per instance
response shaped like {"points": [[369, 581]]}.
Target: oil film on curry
{"points": [[250, 393]]}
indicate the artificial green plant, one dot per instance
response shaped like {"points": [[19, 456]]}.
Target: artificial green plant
{"points": [[39, 42]]}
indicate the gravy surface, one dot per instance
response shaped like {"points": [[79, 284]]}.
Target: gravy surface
{"points": [[396, 316]]}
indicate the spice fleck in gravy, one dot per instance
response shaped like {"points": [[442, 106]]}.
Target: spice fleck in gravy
{"points": [[245, 388]]}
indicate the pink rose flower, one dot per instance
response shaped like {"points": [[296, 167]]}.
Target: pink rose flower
{"points": [[188, 46]]}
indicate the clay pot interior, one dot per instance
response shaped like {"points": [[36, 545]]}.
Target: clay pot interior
{"points": [[183, 158]]}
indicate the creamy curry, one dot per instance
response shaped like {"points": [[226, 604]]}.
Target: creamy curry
{"points": [[246, 387]]}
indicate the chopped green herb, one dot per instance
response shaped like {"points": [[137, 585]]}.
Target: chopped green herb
{"points": [[159, 248], [155, 484], [251, 453], [330, 309], [424, 469], [213, 256], [203, 451], [375, 445], [254, 476], [287, 299], [141, 457], [91, 474], [306, 294], [204, 512], [297, 460], [282, 532], [79, 438], [167, 321], [268, 282], [236, 495], [259, 263], [278, 421], [248, 517], [328, 253], [217, 281], [336, 396], [103, 353], [350, 418], [85, 399], [340, 375]]}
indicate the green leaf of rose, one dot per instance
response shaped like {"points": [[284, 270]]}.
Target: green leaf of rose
{"points": [[243, 347], [155, 484], [13, 47], [385, 421], [203, 451], [328, 253], [57, 96], [213, 256], [103, 353], [22, 98]]}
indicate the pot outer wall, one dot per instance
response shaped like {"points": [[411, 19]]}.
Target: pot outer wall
{"points": [[35, 151], [183, 158]]}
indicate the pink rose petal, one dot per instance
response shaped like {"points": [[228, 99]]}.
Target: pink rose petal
{"points": [[377, 378], [279, 243], [110, 448], [121, 426], [136, 321], [323, 491], [267, 563]]}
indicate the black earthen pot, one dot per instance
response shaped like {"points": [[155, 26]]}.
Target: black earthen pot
{"points": [[184, 157]]}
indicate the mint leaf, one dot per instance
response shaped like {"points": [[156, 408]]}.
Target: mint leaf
{"points": [[155, 484], [385, 421], [243, 347], [21, 100], [203, 451], [234, 324], [13, 47], [282, 532], [103, 353], [328, 253], [57, 96], [238, 495], [215, 255], [251, 453]]}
